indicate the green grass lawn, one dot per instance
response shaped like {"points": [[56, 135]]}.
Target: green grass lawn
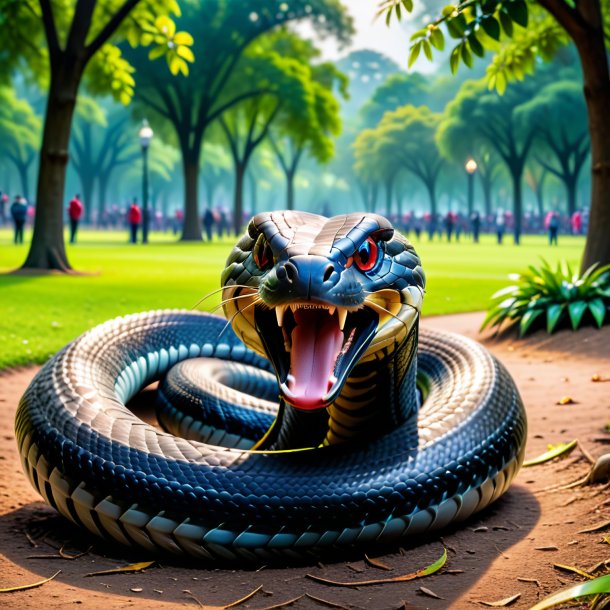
{"points": [[40, 314]]}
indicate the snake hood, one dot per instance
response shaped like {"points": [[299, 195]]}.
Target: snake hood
{"points": [[318, 295]]}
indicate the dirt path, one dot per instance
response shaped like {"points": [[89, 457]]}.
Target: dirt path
{"points": [[519, 537]]}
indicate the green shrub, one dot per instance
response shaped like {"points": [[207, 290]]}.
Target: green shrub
{"points": [[560, 296]]}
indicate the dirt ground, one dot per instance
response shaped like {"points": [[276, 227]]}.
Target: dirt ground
{"points": [[509, 548]]}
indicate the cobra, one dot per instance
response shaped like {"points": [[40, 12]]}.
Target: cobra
{"points": [[380, 433]]}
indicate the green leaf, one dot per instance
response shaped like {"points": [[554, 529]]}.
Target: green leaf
{"points": [[414, 53], [408, 4], [491, 26], [157, 52], [457, 26], [427, 49], [448, 10], [466, 55], [517, 9], [576, 311], [591, 587], [505, 291], [528, 318], [475, 45], [551, 454], [183, 38], [185, 53], [553, 315], [597, 308], [506, 21], [437, 39], [454, 59], [419, 34]]}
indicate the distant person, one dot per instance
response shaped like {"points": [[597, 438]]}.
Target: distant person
{"points": [[553, 228], [475, 224], [500, 224], [19, 214], [576, 222], [208, 223], [3, 204], [449, 225], [223, 223], [75, 213], [134, 218], [178, 220]]}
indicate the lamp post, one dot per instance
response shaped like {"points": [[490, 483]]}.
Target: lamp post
{"points": [[471, 168], [145, 134]]}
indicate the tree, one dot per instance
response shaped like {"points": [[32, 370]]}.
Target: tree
{"points": [[77, 36], [222, 31], [310, 127], [397, 90], [407, 135], [487, 118], [277, 63], [559, 111], [479, 23], [19, 134]]}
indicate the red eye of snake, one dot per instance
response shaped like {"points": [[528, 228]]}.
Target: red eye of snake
{"points": [[262, 254], [367, 255]]}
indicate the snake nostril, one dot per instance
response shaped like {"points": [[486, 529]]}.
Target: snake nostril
{"points": [[327, 273], [291, 272]]}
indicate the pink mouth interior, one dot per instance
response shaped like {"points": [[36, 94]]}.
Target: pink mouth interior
{"points": [[316, 343]]}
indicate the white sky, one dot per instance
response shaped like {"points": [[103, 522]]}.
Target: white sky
{"points": [[372, 33]]}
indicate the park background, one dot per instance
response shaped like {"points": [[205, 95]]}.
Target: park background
{"points": [[314, 106], [329, 107]]}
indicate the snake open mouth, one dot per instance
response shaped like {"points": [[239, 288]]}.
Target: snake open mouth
{"points": [[313, 348]]}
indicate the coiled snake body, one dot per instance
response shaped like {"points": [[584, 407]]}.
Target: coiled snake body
{"points": [[357, 452]]}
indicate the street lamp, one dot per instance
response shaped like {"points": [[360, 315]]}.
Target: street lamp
{"points": [[145, 134], [471, 168]]}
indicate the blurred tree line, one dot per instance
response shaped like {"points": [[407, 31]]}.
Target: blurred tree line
{"points": [[246, 110]]}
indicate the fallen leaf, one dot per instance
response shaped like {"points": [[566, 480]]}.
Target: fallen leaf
{"points": [[566, 400], [132, 567], [507, 601], [591, 587], [31, 586], [480, 529], [553, 452], [244, 598], [136, 589], [429, 593], [534, 580], [431, 569], [565, 568], [285, 604], [324, 602], [595, 528], [377, 564], [546, 548]]}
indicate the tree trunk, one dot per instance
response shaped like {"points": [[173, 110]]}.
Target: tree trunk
{"points": [[192, 220], [253, 195], [22, 169], [486, 187], [389, 192], [290, 190], [570, 184], [431, 187], [517, 203], [594, 60], [47, 250], [238, 198], [86, 180], [102, 193]]}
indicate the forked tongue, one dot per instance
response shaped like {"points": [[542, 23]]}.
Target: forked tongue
{"points": [[316, 343]]}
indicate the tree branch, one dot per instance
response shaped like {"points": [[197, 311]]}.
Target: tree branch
{"points": [[50, 30], [110, 28], [238, 98]]}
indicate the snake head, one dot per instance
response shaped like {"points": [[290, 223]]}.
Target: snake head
{"points": [[318, 295]]}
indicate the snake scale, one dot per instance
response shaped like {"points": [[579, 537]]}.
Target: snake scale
{"points": [[381, 432]]}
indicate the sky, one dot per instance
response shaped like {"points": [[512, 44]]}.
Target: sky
{"points": [[372, 33]]}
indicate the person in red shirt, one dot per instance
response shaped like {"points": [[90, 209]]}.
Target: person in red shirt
{"points": [[134, 217], [75, 212]]}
